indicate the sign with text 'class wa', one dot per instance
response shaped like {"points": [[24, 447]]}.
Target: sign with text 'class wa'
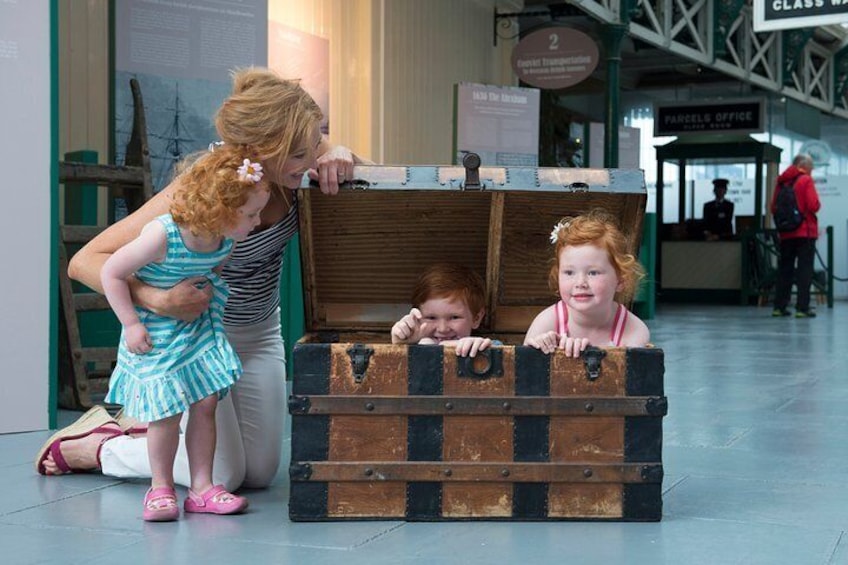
{"points": [[709, 116], [770, 15], [554, 57]]}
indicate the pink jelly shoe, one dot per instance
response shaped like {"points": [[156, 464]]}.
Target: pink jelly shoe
{"points": [[160, 505], [215, 500]]}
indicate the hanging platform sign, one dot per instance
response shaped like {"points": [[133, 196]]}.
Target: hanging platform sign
{"points": [[770, 15], [554, 57], [709, 116]]}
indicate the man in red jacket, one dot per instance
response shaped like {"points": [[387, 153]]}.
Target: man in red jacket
{"points": [[799, 244]]}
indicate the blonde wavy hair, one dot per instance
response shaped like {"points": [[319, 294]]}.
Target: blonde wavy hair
{"points": [[211, 191], [600, 228], [271, 115]]}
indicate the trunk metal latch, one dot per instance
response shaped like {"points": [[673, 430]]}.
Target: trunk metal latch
{"points": [[592, 357], [360, 355], [471, 162], [487, 364]]}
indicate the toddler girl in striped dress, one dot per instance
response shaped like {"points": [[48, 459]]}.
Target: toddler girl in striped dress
{"points": [[167, 366], [593, 274]]}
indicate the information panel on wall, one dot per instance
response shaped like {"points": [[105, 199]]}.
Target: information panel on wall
{"points": [[629, 146], [305, 57], [499, 123], [182, 54]]}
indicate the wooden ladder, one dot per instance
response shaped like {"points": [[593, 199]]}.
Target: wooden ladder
{"points": [[84, 370]]}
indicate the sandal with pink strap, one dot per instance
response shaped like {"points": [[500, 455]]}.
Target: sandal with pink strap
{"points": [[216, 500], [130, 425], [95, 421], [160, 505]]}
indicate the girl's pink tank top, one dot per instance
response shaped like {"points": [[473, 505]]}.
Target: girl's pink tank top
{"points": [[618, 323]]}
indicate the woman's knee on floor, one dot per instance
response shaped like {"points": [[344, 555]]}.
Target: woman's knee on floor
{"points": [[230, 473], [261, 468]]}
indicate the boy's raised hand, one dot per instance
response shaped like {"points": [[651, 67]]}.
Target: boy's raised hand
{"points": [[410, 328]]}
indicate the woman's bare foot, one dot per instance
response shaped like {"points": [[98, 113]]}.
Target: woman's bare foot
{"points": [[80, 454]]}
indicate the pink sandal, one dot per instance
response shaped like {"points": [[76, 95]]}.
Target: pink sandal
{"points": [[96, 421], [216, 500], [160, 505], [130, 425]]}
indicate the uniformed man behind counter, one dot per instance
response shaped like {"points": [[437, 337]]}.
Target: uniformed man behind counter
{"points": [[718, 213]]}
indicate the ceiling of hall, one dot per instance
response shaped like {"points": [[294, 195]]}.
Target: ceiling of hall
{"points": [[645, 66]]}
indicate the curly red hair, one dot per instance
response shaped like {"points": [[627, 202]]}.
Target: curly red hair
{"points": [[600, 228], [211, 191]]}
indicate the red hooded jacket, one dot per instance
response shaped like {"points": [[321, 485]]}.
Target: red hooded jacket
{"points": [[808, 202]]}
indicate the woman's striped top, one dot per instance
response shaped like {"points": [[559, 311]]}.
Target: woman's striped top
{"points": [[253, 272]]}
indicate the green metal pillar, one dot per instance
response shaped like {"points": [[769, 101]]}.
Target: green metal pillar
{"points": [[292, 320], [613, 34], [645, 301], [829, 267], [759, 186], [81, 199]]}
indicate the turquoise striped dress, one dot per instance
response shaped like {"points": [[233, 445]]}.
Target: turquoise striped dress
{"points": [[189, 360]]}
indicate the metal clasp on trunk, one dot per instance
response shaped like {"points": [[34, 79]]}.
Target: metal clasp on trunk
{"points": [[360, 354], [299, 404], [592, 357], [488, 363], [471, 162], [300, 471]]}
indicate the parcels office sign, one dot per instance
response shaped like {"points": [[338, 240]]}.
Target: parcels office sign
{"points": [[718, 116], [772, 15]]}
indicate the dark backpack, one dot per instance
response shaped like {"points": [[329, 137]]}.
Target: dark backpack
{"points": [[787, 216]]}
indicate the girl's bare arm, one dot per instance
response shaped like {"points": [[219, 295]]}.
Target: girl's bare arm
{"points": [[184, 301]]}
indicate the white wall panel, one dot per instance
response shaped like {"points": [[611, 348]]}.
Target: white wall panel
{"points": [[25, 154]]}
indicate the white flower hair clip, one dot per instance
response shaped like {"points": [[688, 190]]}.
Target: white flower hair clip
{"points": [[555, 231], [250, 171]]}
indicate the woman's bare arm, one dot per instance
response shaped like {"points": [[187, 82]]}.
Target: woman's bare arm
{"points": [[184, 301]]}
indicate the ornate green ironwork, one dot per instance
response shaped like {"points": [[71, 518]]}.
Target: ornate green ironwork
{"points": [[725, 12], [840, 74], [794, 41]]}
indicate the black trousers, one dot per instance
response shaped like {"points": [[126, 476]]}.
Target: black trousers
{"points": [[802, 249]]}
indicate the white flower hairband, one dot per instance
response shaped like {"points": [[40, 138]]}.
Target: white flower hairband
{"points": [[250, 171], [557, 228]]}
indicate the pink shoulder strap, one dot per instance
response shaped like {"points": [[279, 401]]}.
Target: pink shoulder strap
{"points": [[618, 325], [561, 318]]}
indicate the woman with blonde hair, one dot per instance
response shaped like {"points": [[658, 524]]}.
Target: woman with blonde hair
{"points": [[279, 122]]}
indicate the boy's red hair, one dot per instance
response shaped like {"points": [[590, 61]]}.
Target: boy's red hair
{"points": [[452, 281]]}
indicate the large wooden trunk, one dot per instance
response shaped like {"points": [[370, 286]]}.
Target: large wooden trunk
{"points": [[383, 431]]}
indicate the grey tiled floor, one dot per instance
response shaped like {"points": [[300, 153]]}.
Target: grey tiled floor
{"points": [[755, 455]]}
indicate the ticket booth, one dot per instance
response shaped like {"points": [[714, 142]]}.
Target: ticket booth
{"points": [[689, 268]]}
